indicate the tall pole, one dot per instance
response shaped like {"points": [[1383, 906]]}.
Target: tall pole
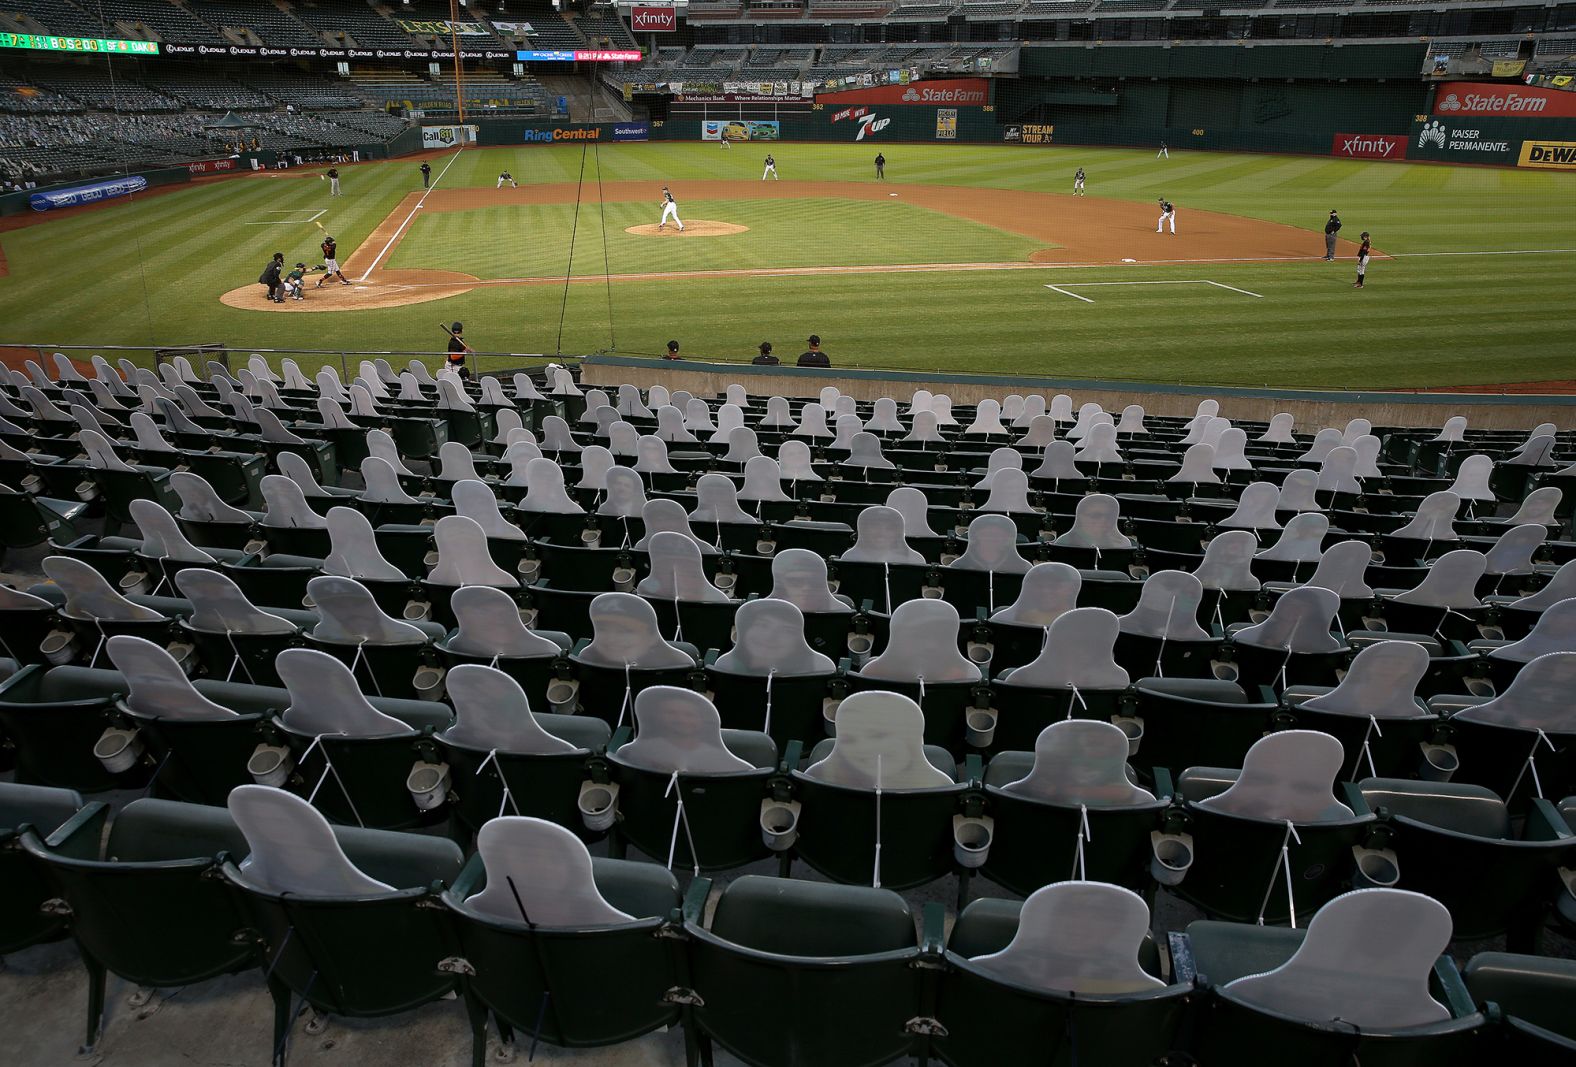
{"points": [[459, 74]]}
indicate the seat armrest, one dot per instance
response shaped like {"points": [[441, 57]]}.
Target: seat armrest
{"points": [[695, 901], [932, 938], [1457, 998], [79, 837], [1544, 822]]}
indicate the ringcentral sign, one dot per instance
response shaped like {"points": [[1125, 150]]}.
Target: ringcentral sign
{"points": [[653, 19]]}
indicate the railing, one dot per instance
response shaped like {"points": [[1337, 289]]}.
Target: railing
{"points": [[310, 360]]}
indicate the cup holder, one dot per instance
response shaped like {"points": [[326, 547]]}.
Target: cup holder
{"points": [[1224, 671], [1377, 868], [86, 492], [623, 579], [1439, 762], [118, 749], [528, 570], [428, 682], [58, 647], [270, 765], [829, 706], [1133, 727], [1170, 857], [430, 559], [860, 645], [133, 583], [428, 784], [1480, 687], [979, 726], [980, 653], [780, 824], [591, 537], [766, 548], [562, 693], [598, 804], [971, 839], [416, 611]]}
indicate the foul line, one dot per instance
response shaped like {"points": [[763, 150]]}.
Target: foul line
{"points": [[1065, 286], [1500, 252], [379, 257]]}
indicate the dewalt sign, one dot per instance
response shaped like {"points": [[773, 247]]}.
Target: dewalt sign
{"points": [[1552, 155]]}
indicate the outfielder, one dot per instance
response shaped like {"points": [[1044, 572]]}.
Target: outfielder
{"points": [[331, 263], [1164, 153], [771, 169], [1168, 213], [1078, 182], [669, 208], [506, 179]]}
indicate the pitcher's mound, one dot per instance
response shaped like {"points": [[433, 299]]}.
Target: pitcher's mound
{"points": [[692, 228]]}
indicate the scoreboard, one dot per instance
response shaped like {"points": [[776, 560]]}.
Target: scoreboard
{"points": [[46, 43]]}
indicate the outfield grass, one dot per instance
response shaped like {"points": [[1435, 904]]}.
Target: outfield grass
{"points": [[151, 272]]}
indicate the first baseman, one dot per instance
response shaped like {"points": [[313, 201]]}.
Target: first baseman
{"points": [[1168, 213], [1078, 182], [331, 263], [669, 207], [771, 169]]}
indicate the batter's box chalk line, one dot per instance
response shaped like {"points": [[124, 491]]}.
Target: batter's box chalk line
{"points": [[1064, 286]]}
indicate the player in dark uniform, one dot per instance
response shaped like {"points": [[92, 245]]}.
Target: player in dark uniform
{"points": [[771, 168], [331, 263], [880, 167], [1078, 182], [333, 181], [426, 176], [1331, 228], [1362, 260], [506, 179], [458, 350]]}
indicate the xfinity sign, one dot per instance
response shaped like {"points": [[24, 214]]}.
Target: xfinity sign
{"points": [[653, 19]]}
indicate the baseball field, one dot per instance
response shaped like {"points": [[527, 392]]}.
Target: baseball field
{"points": [[963, 259]]}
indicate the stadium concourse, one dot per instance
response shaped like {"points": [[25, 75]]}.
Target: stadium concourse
{"points": [[397, 719]]}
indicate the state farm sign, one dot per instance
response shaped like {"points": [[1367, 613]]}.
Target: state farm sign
{"points": [[951, 92], [1369, 145], [1481, 99], [653, 19]]}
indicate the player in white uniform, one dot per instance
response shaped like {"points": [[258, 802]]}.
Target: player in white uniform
{"points": [[669, 209], [771, 169], [1168, 213], [1164, 153], [1078, 183]]}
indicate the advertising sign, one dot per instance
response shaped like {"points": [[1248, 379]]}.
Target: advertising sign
{"points": [[740, 130], [447, 136], [441, 28], [946, 124], [653, 19], [1369, 145], [1028, 133], [632, 131], [604, 55], [179, 50], [949, 92], [211, 166], [1462, 100], [92, 193], [1550, 155], [1469, 141]]}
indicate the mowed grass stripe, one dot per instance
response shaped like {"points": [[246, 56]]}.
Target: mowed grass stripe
{"points": [[535, 240]]}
